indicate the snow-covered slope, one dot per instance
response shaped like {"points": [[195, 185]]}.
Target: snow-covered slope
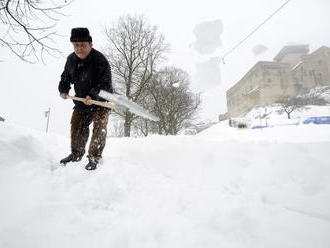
{"points": [[221, 188], [269, 116]]}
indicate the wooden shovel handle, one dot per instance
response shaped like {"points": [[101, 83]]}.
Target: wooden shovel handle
{"points": [[99, 103]]}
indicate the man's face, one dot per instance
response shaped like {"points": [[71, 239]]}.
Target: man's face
{"points": [[82, 49]]}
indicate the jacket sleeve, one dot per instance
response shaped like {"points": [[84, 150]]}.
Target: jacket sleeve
{"points": [[64, 85], [103, 79]]}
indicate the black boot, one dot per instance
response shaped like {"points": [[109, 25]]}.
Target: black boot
{"points": [[70, 158], [92, 164]]}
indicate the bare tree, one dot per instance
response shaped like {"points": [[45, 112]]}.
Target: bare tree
{"points": [[289, 104], [144, 127], [134, 50], [28, 27], [174, 103], [314, 96]]}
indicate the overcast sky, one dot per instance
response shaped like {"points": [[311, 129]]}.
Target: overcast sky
{"points": [[199, 33]]}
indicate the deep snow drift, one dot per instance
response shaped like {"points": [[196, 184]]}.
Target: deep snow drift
{"points": [[221, 188]]}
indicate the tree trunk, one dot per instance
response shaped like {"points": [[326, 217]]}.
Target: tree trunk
{"points": [[127, 124], [147, 128], [160, 129]]}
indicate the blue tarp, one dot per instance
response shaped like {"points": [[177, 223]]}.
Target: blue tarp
{"points": [[318, 120], [257, 127]]}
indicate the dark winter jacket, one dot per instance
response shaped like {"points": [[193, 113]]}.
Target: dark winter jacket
{"points": [[88, 76]]}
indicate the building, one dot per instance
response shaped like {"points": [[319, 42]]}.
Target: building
{"points": [[312, 71], [292, 72], [291, 54]]}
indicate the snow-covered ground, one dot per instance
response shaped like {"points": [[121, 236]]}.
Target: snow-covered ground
{"points": [[221, 188], [270, 116]]}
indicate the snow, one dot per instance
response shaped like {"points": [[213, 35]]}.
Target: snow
{"points": [[296, 66], [259, 49], [268, 116], [320, 91], [223, 187], [123, 102], [208, 36], [253, 90]]}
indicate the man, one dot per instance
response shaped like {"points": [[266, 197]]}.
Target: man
{"points": [[89, 72]]}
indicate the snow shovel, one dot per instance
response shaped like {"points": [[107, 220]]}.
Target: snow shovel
{"points": [[125, 103], [99, 103]]}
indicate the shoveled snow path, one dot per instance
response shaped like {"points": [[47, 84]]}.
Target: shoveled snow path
{"points": [[222, 188]]}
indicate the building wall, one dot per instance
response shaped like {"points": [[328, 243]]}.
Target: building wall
{"points": [[262, 85], [266, 82], [313, 71], [245, 94], [276, 84], [291, 59]]}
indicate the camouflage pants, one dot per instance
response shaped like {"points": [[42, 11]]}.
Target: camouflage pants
{"points": [[80, 122]]}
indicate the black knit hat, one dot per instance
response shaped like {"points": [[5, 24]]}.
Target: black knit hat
{"points": [[80, 34]]}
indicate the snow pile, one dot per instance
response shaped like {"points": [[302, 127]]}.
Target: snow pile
{"points": [[221, 188], [321, 92], [269, 116], [319, 95]]}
